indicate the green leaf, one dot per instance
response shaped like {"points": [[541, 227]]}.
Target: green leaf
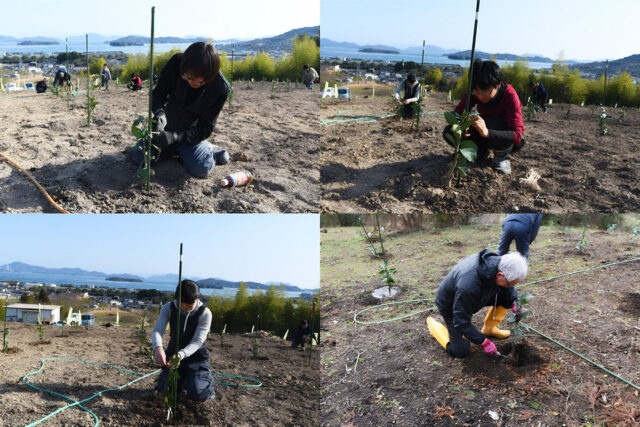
{"points": [[469, 150], [451, 138], [535, 405], [511, 320], [451, 117], [137, 132], [466, 124], [462, 165], [524, 315], [139, 120], [517, 332]]}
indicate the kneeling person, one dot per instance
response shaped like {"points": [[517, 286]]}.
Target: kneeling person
{"points": [[411, 89], [480, 280], [195, 323], [187, 100], [499, 127]]}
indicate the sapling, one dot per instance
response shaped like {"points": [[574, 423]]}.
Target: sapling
{"points": [[465, 149], [623, 111], [222, 332], [231, 92], [5, 330], [417, 111], [274, 88], [603, 122], [521, 313], [530, 110], [91, 100], [150, 151], [171, 387], [386, 272], [582, 244], [567, 114]]}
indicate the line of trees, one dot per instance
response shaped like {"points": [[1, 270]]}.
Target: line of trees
{"points": [[268, 311], [258, 67], [565, 85]]}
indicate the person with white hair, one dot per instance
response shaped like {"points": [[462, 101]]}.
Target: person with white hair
{"points": [[484, 279]]}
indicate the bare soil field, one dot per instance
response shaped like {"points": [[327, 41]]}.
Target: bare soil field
{"points": [[290, 393], [85, 168], [396, 374], [383, 165]]}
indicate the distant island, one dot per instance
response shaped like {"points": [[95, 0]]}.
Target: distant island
{"points": [[376, 50], [123, 279], [36, 43], [465, 55], [126, 44]]}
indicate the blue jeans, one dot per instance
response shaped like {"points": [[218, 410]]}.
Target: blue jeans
{"points": [[513, 230], [195, 377], [197, 158], [310, 85]]}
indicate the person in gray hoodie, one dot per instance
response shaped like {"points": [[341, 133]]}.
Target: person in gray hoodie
{"points": [[195, 323], [484, 279], [523, 228]]}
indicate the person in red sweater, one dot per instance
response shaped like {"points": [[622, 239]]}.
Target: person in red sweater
{"points": [[499, 127]]}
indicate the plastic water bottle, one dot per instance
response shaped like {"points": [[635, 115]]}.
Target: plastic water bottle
{"points": [[237, 179]]}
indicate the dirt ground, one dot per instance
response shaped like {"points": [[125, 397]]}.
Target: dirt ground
{"points": [[290, 393], [86, 169], [396, 373], [385, 166]]}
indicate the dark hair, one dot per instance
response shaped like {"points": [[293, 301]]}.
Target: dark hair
{"points": [[411, 78], [189, 292], [303, 322], [305, 67], [486, 74], [201, 60], [133, 74]]}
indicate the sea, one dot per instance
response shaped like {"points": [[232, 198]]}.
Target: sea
{"points": [[10, 48], [329, 53], [63, 279]]}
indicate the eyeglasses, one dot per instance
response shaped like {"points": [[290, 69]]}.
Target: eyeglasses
{"points": [[194, 82]]}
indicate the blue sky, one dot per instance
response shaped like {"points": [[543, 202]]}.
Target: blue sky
{"points": [[584, 29], [217, 19], [257, 247]]}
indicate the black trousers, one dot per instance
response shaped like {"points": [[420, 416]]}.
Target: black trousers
{"points": [[195, 377]]}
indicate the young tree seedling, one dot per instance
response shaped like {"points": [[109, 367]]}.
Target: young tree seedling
{"points": [[386, 272], [222, 332], [465, 149], [530, 111], [418, 112], [623, 111], [521, 313], [91, 100], [5, 330], [274, 88], [602, 127], [582, 244], [171, 387]]}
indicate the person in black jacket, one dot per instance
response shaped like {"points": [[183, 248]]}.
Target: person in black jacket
{"points": [[540, 96], [480, 280], [408, 94], [187, 100], [302, 335], [193, 357], [523, 228], [41, 86]]}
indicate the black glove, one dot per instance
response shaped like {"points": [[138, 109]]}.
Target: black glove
{"points": [[164, 139], [160, 121]]}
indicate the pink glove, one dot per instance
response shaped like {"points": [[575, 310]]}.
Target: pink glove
{"points": [[159, 357], [489, 347]]}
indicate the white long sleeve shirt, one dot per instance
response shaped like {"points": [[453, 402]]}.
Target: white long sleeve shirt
{"points": [[199, 337], [400, 90]]}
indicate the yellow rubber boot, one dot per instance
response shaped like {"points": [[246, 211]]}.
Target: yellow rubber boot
{"points": [[492, 320], [438, 331]]}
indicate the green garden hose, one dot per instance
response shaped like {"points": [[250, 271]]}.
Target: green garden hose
{"points": [[527, 327], [256, 384]]}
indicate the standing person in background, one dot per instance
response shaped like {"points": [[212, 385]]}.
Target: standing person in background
{"points": [[193, 364], [105, 74], [309, 76], [523, 228], [410, 89]]}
